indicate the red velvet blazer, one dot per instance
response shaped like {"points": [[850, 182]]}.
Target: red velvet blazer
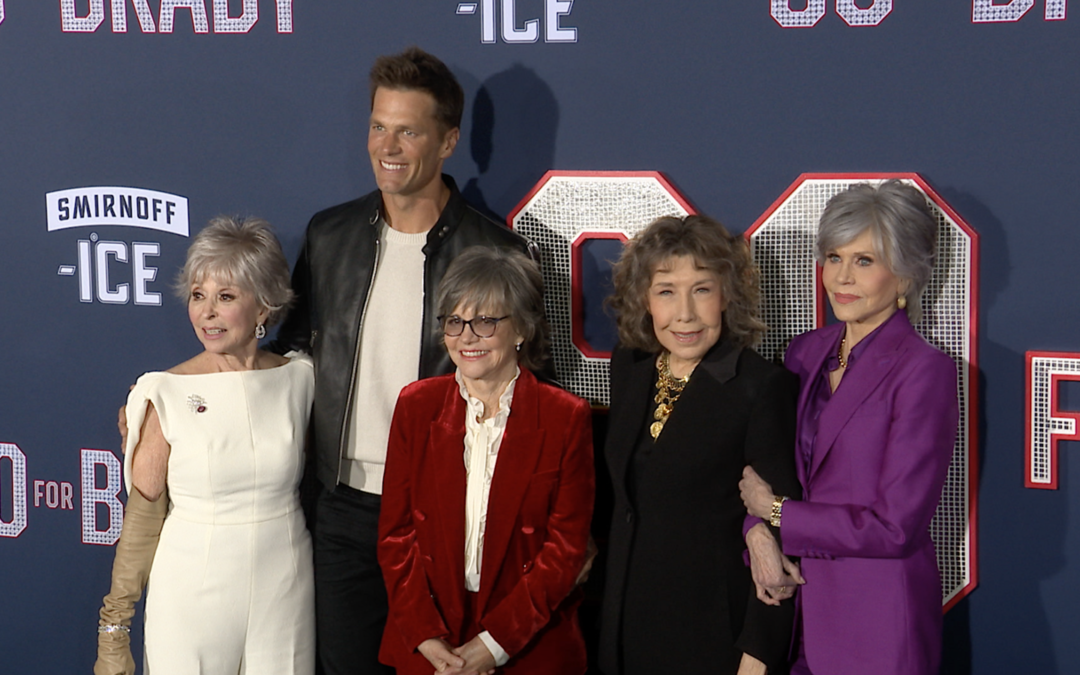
{"points": [[539, 511]]}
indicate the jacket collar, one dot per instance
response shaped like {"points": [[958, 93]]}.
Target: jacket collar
{"points": [[454, 406], [881, 356], [722, 361], [448, 220]]}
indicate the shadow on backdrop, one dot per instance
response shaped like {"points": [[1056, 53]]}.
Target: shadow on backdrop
{"points": [[1019, 541], [515, 118]]}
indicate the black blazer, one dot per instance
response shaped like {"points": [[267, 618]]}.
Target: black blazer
{"points": [[676, 572]]}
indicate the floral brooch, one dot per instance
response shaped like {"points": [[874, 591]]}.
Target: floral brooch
{"points": [[196, 403]]}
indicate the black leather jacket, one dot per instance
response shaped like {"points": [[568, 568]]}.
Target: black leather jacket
{"points": [[332, 278]]}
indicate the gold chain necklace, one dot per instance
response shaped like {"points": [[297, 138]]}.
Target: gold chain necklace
{"points": [[840, 352], [668, 390]]}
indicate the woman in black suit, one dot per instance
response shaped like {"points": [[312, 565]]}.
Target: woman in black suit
{"points": [[691, 405]]}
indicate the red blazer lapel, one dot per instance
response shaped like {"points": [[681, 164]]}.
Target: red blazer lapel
{"points": [[880, 357], [522, 444], [447, 451]]}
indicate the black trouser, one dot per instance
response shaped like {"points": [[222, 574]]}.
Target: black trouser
{"points": [[350, 596]]}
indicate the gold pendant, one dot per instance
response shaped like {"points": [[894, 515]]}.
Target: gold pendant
{"points": [[655, 429]]}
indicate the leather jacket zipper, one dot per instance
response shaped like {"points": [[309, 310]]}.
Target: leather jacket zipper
{"points": [[356, 366]]}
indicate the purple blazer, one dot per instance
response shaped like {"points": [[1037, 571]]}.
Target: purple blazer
{"points": [[872, 599]]}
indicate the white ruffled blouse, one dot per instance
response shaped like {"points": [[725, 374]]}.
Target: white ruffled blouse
{"points": [[482, 441]]}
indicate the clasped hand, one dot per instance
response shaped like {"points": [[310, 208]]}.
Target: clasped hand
{"points": [[757, 495], [471, 658], [775, 576]]}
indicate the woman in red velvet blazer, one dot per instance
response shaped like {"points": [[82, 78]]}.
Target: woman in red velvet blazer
{"points": [[488, 491]]}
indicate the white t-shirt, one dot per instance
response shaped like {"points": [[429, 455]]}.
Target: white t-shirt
{"points": [[390, 340]]}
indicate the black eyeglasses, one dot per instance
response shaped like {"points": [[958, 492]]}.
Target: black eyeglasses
{"points": [[481, 326]]}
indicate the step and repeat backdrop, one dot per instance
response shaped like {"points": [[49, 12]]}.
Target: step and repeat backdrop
{"points": [[126, 124]]}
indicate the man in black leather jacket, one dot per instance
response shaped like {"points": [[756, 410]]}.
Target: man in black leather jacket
{"points": [[416, 110], [332, 278]]}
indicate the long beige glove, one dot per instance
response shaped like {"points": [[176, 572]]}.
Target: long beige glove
{"points": [[131, 568]]}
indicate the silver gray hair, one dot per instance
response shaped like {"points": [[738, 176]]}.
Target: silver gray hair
{"points": [[483, 278], [244, 252], [901, 224]]}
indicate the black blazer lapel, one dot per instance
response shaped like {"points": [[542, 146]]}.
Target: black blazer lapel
{"points": [[682, 432], [633, 406]]}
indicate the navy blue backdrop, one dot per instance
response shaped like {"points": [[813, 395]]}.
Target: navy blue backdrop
{"points": [[720, 97]]}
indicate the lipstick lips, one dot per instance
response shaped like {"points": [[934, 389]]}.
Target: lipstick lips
{"points": [[686, 336], [845, 298]]}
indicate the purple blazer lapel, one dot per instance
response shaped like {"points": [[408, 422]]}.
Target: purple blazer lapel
{"points": [[811, 355], [447, 453], [880, 357], [522, 443]]}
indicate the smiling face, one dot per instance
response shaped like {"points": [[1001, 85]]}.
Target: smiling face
{"points": [[406, 144], [490, 360], [224, 317], [687, 307], [862, 289]]}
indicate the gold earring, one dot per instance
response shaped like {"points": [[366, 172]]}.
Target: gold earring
{"points": [[901, 302]]}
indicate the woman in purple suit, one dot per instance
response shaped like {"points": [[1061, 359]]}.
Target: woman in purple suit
{"points": [[877, 418]]}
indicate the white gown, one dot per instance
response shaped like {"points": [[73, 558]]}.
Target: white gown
{"points": [[231, 589]]}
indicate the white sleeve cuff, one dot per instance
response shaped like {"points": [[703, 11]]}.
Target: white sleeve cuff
{"points": [[501, 657]]}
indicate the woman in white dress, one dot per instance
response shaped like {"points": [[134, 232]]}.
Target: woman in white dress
{"points": [[230, 588]]}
